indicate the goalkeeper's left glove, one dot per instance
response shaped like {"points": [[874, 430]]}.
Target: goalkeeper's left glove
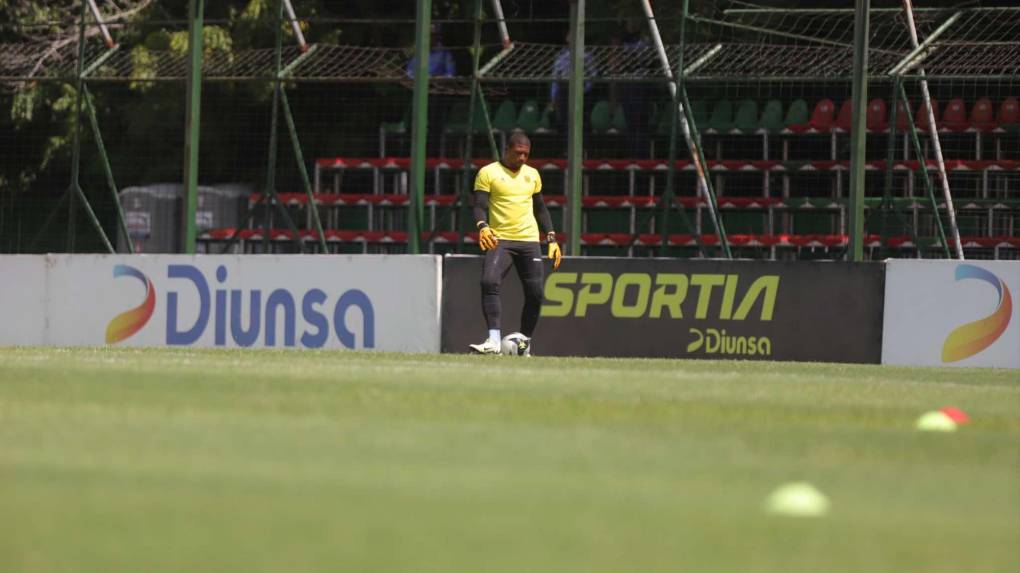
{"points": [[554, 249]]}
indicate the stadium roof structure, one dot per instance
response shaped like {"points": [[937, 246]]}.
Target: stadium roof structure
{"points": [[751, 44]]}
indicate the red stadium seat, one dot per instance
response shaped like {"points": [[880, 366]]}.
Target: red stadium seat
{"points": [[846, 115], [955, 116], [902, 116], [982, 115], [1009, 114], [921, 117], [876, 117]]}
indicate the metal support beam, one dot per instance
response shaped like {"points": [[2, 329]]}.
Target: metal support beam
{"points": [[466, 186], [295, 26], [668, 195], [919, 53], [102, 26], [575, 127], [419, 126], [192, 122], [676, 86], [936, 144], [269, 192], [858, 130], [504, 34], [107, 170], [299, 158], [929, 188]]}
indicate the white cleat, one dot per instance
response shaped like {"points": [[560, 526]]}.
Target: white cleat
{"points": [[487, 347]]}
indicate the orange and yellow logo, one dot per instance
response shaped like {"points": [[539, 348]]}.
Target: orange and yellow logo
{"points": [[971, 338], [127, 323]]}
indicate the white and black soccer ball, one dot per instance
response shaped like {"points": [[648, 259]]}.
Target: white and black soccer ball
{"points": [[515, 344]]}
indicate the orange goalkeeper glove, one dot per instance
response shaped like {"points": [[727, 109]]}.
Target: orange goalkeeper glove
{"points": [[554, 250], [487, 239]]}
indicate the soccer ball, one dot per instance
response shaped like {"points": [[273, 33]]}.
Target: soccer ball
{"points": [[515, 344]]}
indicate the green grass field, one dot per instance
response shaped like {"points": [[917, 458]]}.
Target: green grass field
{"points": [[155, 460]]}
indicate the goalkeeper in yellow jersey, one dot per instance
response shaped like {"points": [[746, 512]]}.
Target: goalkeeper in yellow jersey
{"points": [[511, 216]]}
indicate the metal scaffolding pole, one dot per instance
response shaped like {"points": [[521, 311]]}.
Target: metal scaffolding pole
{"points": [[575, 126], [858, 130], [192, 122], [419, 126], [504, 34], [686, 123], [908, 11]]}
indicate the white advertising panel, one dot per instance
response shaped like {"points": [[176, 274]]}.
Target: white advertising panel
{"points": [[22, 299], [289, 301], [952, 313]]}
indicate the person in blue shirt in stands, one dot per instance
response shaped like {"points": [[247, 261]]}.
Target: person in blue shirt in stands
{"points": [[559, 90], [441, 65], [441, 62]]}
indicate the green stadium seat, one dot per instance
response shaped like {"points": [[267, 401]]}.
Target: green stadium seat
{"points": [[619, 119], [797, 114], [746, 118], [772, 116], [457, 119], [545, 124], [529, 117], [393, 128], [602, 117], [699, 112], [505, 118], [722, 118]]}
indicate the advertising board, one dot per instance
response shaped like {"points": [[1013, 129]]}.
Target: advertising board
{"points": [[952, 313], [684, 308], [289, 301]]}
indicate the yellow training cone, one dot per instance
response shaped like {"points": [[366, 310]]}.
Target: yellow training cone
{"points": [[936, 421], [798, 499]]}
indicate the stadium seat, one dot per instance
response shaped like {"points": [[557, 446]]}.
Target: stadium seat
{"points": [[1008, 118], [797, 117], [921, 116], [505, 118], [955, 116], [876, 116], [822, 116], [602, 117], [982, 115], [457, 118], [529, 117], [902, 115], [390, 128], [772, 116], [846, 115], [619, 119], [746, 118], [545, 123], [721, 120]]}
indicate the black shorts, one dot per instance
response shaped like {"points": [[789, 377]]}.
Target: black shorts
{"points": [[526, 256]]}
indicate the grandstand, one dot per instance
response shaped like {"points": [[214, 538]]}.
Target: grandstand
{"points": [[769, 104]]}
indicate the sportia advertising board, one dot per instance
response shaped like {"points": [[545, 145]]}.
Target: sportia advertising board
{"points": [[684, 308], [952, 313], [291, 301]]}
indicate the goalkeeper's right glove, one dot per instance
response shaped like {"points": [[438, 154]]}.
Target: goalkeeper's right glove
{"points": [[486, 236]]}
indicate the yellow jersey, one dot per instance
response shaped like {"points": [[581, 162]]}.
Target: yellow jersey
{"points": [[510, 209]]}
